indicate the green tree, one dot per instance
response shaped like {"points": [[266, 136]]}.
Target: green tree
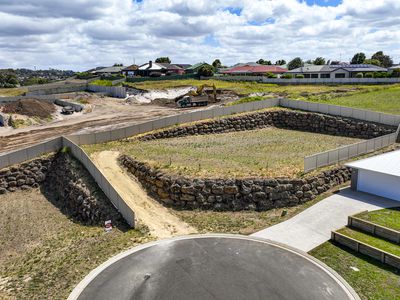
{"points": [[216, 64], [385, 60], [396, 73], [372, 62], [163, 59], [280, 62], [295, 63], [319, 61], [264, 62], [358, 58], [206, 71], [118, 65]]}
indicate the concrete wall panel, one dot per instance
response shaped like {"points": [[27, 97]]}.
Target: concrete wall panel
{"points": [[346, 112], [102, 137], [117, 134], [322, 159], [146, 127], [132, 130], [359, 114]]}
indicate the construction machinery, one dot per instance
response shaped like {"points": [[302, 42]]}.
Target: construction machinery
{"points": [[197, 97]]}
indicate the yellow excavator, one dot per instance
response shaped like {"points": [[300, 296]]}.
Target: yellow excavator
{"points": [[196, 97]]}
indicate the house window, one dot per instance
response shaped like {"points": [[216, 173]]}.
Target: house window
{"points": [[314, 75], [340, 75], [325, 75], [306, 75]]}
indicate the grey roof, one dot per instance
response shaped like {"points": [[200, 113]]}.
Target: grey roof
{"points": [[312, 69], [394, 67], [170, 66], [109, 70], [331, 68], [388, 163]]}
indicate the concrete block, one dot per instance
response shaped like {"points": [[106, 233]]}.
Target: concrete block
{"points": [[53, 145], [146, 127], [102, 137], [132, 130], [158, 124], [343, 153], [346, 112], [87, 139], [362, 148], [370, 145], [114, 197], [258, 105], [248, 106], [323, 108], [35, 150], [359, 114], [312, 107], [333, 156], [195, 116], [310, 163], [4, 162], [219, 112], [171, 120], [117, 134], [18, 156], [372, 116], [206, 114], [353, 150], [334, 110], [322, 159], [184, 118]]}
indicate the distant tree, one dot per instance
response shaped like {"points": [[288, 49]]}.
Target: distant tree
{"points": [[319, 61], [263, 62], [309, 61], [295, 63], [280, 62], [164, 59], [206, 71], [8, 79], [385, 60], [118, 65], [358, 58], [372, 62], [216, 64]]}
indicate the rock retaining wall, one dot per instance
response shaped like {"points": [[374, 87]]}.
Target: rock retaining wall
{"points": [[232, 194], [287, 119], [66, 183]]}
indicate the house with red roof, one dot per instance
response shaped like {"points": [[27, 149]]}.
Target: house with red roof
{"points": [[254, 69]]}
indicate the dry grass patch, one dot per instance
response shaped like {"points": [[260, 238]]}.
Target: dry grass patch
{"points": [[268, 152], [44, 254]]}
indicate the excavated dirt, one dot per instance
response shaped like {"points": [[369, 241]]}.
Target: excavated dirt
{"points": [[30, 108]]}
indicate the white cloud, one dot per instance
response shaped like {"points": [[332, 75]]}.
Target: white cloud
{"points": [[79, 34]]}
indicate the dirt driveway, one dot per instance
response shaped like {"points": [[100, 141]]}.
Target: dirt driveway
{"points": [[160, 221]]}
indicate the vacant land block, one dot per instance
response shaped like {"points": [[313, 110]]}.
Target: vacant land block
{"points": [[268, 152], [44, 254]]}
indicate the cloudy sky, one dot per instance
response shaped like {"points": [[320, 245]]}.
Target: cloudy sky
{"points": [[80, 34]]}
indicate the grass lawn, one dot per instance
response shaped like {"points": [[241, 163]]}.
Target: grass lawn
{"points": [[12, 92], [388, 217], [371, 279], [267, 152], [371, 240], [44, 254]]}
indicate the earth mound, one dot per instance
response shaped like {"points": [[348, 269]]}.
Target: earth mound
{"points": [[30, 108]]}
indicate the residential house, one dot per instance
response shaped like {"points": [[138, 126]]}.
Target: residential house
{"points": [[335, 71], [253, 69], [158, 69], [130, 71], [115, 70], [195, 68], [183, 66]]}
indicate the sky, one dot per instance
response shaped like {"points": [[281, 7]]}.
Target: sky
{"points": [[81, 34]]}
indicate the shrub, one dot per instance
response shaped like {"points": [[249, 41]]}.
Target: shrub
{"points": [[102, 82], [206, 71], [287, 76], [359, 75], [270, 75], [396, 73], [369, 75], [84, 75], [381, 74], [300, 76]]}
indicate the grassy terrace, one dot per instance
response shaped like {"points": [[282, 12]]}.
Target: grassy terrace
{"points": [[12, 92], [388, 217], [263, 152], [371, 279], [384, 98], [371, 240]]}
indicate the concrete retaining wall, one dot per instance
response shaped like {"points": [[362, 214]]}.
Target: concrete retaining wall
{"points": [[382, 256], [374, 229], [113, 91], [102, 181], [55, 89]]}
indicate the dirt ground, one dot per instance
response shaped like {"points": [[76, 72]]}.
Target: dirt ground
{"points": [[104, 113], [149, 212]]}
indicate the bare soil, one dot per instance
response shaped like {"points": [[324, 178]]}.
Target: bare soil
{"points": [[160, 221], [30, 108]]}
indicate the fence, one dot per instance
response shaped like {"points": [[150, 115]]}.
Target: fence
{"points": [[113, 91], [170, 77], [384, 257], [374, 229], [337, 155], [102, 181], [125, 132], [55, 89], [16, 98], [264, 79]]}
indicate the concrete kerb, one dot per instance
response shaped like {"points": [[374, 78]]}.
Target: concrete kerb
{"points": [[77, 291]]}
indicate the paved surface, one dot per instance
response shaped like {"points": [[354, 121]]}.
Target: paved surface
{"points": [[213, 267], [313, 226]]}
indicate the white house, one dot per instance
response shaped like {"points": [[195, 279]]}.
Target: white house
{"points": [[378, 175]]}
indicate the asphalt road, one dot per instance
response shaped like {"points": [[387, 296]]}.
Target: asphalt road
{"points": [[213, 267]]}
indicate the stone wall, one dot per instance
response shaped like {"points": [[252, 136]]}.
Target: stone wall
{"points": [[66, 183], [287, 119], [232, 194]]}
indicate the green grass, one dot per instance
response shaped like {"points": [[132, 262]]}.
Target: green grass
{"points": [[268, 152], [12, 92], [247, 100], [373, 281], [388, 217], [102, 82], [371, 240]]}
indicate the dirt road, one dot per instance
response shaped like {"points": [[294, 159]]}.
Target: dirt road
{"points": [[111, 115], [160, 221]]}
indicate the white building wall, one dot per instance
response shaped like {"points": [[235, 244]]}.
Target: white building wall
{"points": [[379, 184]]}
